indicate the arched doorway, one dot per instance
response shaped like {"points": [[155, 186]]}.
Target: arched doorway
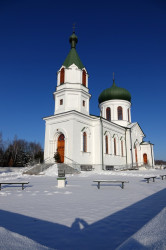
{"points": [[61, 147], [145, 158]]}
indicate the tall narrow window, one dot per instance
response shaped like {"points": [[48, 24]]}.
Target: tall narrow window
{"points": [[61, 101], [84, 142], [122, 148], [128, 115], [62, 76], [106, 144], [108, 114], [114, 146], [84, 77], [120, 113]]}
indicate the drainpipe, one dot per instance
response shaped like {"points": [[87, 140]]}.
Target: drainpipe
{"points": [[126, 145], [131, 148], [151, 153], [102, 158]]}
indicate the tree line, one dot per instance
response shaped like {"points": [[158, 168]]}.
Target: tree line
{"points": [[160, 162], [19, 153]]}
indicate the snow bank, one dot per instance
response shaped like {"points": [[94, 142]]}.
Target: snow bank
{"points": [[51, 171], [10, 241], [151, 236]]}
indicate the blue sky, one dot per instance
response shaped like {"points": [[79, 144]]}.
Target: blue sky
{"points": [[125, 37]]}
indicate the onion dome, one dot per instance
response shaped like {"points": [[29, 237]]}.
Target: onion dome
{"points": [[114, 93], [73, 40], [73, 57]]}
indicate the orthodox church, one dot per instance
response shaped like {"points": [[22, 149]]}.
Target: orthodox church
{"points": [[107, 141]]}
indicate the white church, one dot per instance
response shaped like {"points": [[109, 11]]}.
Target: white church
{"points": [[108, 141]]}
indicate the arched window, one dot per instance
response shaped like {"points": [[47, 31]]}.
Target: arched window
{"points": [[106, 144], [120, 113], [108, 114], [114, 146], [122, 148], [84, 142], [62, 76], [84, 77]]}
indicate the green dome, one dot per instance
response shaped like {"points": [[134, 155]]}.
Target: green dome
{"points": [[114, 93]]}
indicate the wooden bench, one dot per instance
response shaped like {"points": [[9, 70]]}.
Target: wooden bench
{"points": [[110, 181], [14, 183], [162, 176], [148, 178]]}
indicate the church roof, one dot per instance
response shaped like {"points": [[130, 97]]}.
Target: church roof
{"points": [[131, 125], [73, 56], [114, 92]]}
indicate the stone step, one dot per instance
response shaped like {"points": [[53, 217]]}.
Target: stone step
{"points": [[68, 169], [37, 168]]}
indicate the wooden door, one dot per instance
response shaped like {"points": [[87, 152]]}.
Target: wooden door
{"points": [[145, 158], [61, 147]]}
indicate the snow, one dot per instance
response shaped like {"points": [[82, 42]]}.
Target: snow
{"points": [[80, 216]]}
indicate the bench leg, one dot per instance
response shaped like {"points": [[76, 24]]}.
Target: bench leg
{"points": [[22, 186], [98, 185], [147, 180], [153, 179], [162, 177], [0, 186], [122, 185]]}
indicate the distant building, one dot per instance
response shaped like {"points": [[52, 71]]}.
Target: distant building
{"points": [[110, 139]]}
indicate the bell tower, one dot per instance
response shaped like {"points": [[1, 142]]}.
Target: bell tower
{"points": [[72, 91]]}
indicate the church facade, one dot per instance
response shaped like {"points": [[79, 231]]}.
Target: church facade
{"points": [[110, 139]]}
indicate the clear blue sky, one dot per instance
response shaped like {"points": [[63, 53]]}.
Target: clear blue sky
{"points": [[125, 37]]}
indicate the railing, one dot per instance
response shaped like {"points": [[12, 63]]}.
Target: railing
{"points": [[50, 160], [74, 164]]}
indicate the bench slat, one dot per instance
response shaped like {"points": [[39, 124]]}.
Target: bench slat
{"points": [[15, 183], [111, 181]]}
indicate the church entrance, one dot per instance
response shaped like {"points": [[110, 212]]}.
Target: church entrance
{"points": [[61, 147], [145, 158]]}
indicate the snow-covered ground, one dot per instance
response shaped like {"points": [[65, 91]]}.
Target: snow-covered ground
{"points": [[80, 216]]}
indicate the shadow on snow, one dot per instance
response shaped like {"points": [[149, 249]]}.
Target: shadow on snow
{"points": [[107, 233]]}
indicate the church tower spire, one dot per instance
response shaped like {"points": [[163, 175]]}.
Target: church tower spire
{"points": [[72, 91], [73, 57]]}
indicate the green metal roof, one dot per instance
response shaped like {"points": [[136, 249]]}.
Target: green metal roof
{"points": [[73, 57], [114, 93]]}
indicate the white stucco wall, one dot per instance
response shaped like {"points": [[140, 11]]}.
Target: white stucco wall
{"points": [[72, 75], [72, 92], [113, 105]]}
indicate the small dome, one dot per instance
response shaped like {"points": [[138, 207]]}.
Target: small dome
{"points": [[114, 93], [73, 40]]}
